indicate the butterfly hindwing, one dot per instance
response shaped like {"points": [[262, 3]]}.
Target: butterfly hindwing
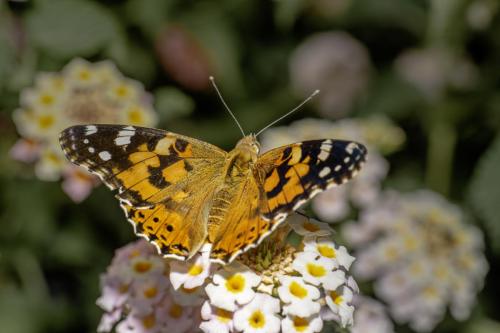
{"points": [[295, 173]]}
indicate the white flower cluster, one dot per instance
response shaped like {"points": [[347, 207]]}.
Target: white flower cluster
{"points": [[82, 93], [379, 134], [422, 256], [273, 289], [138, 296]]}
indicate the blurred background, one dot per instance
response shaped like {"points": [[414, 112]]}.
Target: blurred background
{"points": [[418, 80]]}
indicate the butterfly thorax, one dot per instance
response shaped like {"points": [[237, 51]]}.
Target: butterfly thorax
{"points": [[239, 167], [242, 158]]}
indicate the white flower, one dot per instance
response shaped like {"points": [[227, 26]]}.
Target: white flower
{"points": [[432, 70], [370, 316], [232, 286], [148, 293], [319, 271], [259, 316], [176, 317], [339, 301], [306, 226], [326, 248], [191, 273], [298, 324], [216, 320], [300, 298], [189, 297]]}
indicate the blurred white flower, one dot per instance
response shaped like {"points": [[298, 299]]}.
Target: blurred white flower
{"points": [[81, 93], [370, 316], [335, 63], [379, 134], [480, 13], [422, 256], [434, 70]]}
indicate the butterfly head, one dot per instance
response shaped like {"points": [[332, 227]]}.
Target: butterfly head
{"points": [[248, 148]]}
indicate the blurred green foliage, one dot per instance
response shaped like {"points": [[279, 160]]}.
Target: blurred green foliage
{"points": [[52, 250]]}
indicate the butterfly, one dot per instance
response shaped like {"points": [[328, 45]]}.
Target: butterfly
{"points": [[185, 195]]}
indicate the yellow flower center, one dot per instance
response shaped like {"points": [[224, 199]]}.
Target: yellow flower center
{"points": [[316, 270], [430, 292], [297, 290], [142, 266], [257, 319], [337, 299], [150, 292], [84, 75], [195, 270], [300, 324], [327, 251], [175, 311], [47, 99], [149, 321], [235, 283], [122, 91], [123, 288], [223, 315], [135, 116], [310, 227], [391, 253], [46, 121]]}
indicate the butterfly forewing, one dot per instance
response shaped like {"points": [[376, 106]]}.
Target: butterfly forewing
{"points": [[295, 173]]}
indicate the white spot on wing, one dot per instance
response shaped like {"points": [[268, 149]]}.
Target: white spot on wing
{"points": [[122, 140], [323, 155], [350, 147], [105, 155], [337, 168], [325, 172], [91, 150], [347, 159], [86, 141], [90, 129]]}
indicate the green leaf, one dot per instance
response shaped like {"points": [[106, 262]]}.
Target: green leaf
{"points": [[149, 15], [172, 103], [7, 56], [70, 28], [484, 192], [132, 60], [287, 12]]}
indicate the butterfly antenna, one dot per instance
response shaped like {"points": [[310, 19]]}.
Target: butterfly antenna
{"points": [[289, 113], [212, 80]]}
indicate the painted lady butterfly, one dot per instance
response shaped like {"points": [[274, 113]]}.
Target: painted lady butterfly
{"points": [[182, 194]]}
